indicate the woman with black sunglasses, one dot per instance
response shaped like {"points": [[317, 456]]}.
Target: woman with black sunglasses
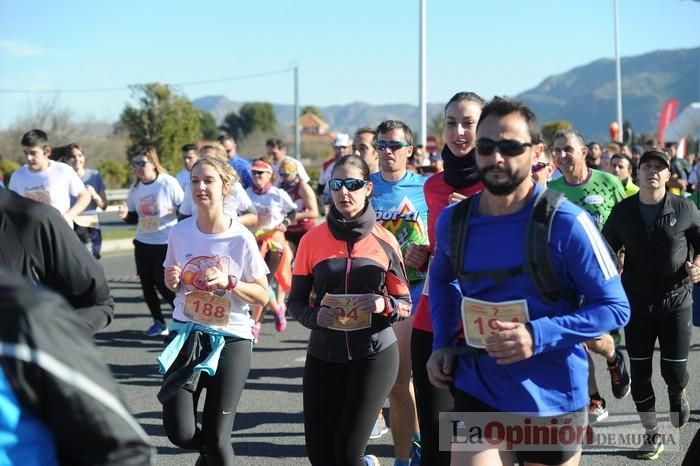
{"points": [[355, 268], [152, 204]]}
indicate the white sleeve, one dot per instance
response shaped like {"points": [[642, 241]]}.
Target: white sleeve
{"points": [[186, 206], [288, 205], [244, 202], [176, 193], [254, 266], [75, 184], [302, 171]]}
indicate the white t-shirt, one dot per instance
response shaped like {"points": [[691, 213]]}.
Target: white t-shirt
{"points": [[234, 251], [301, 171], [183, 177], [156, 205], [236, 202], [272, 207], [53, 186]]}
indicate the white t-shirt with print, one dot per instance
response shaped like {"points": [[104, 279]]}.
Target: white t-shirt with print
{"points": [[236, 202], [52, 186], [234, 251], [156, 204], [272, 207]]}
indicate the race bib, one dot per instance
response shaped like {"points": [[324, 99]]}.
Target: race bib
{"points": [[207, 308], [349, 318], [149, 224], [479, 318]]}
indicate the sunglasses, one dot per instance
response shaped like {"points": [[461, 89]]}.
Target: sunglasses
{"points": [[539, 166], [506, 147], [392, 145], [351, 184], [284, 174], [257, 173], [138, 163]]}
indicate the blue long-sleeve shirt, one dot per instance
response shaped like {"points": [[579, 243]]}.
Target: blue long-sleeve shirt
{"points": [[554, 379]]}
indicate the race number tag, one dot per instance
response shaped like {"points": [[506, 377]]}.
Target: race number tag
{"points": [[349, 318], [207, 308], [479, 318], [149, 224]]}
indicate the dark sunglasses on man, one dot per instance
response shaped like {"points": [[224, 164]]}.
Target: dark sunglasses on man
{"points": [[351, 184], [506, 147], [391, 145]]}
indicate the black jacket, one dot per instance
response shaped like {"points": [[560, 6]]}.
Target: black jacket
{"points": [[654, 264], [35, 241], [57, 374]]}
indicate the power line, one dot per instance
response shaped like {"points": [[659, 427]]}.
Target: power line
{"points": [[126, 88]]}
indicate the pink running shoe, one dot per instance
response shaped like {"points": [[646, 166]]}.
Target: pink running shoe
{"points": [[256, 332], [280, 319]]}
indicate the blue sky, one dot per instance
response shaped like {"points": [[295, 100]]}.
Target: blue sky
{"points": [[352, 50]]}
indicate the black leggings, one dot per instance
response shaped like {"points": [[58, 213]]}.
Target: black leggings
{"points": [[341, 402], [223, 393], [149, 265], [669, 321], [430, 400]]}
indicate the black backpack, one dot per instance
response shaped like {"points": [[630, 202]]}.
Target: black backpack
{"points": [[538, 261]]}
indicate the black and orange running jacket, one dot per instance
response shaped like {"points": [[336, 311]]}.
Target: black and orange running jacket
{"points": [[349, 257]]}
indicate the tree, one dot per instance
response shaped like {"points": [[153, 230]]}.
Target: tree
{"points": [[436, 126], [550, 128], [312, 109], [163, 119], [254, 116], [207, 122]]}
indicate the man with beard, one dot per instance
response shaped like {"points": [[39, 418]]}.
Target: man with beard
{"points": [[527, 356]]}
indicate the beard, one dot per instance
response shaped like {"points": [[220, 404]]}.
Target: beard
{"points": [[502, 187]]}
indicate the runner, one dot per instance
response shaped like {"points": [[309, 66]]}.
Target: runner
{"points": [[355, 268], [400, 206], [214, 266], [276, 212], [458, 180], [533, 361], [87, 224], [659, 232], [152, 204], [303, 196]]}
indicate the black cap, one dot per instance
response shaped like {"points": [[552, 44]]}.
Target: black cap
{"points": [[657, 154]]}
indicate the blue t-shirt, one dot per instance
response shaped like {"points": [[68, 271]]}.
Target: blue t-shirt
{"points": [[242, 166], [401, 208], [93, 178], [555, 379]]}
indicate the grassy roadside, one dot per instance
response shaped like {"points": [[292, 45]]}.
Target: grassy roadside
{"points": [[118, 234]]}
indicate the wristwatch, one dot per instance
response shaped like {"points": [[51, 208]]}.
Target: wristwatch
{"points": [[232, 283]]}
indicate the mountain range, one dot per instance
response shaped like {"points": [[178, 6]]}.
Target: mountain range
{"points": [[584, 96]]}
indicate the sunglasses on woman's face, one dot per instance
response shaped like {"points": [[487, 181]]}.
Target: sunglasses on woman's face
{"points": [[539, 166], [139, 163], [506, 147], [351, 184]]}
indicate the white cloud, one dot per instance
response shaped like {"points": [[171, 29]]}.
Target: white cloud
{"points": [[17, 48]]}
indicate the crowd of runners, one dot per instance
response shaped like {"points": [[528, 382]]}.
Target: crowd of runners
{"points": [[481, 281]]}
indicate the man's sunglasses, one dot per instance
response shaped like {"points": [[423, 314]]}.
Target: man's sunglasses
{"points": [[352, 184], [506, 147], [139, 163], [539, 166], [393, 145]]}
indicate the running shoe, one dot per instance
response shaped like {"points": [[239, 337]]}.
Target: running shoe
{"points": [[597, 410], [680, 410], [619, 376], [379, 428], [652, 447], [157, 329], [371, 460], [256, 332], [280, 319], [414, 458]]}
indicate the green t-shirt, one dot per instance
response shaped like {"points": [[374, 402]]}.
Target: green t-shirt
{"points": [[597, 195]]}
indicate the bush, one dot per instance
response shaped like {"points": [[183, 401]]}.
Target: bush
{"points": [[114, 173], [6, 169]]}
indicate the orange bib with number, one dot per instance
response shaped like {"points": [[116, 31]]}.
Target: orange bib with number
{"points": [[207, 308], [348, 317], [479, 318]]}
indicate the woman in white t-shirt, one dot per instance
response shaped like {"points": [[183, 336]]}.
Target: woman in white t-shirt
{"points": [[214, 266], [152, 204], [276, 211]]}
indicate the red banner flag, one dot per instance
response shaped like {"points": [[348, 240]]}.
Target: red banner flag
{"points": [[668, 113]]}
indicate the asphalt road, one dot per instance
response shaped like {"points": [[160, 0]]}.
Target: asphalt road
{"points": [[269, 428]]}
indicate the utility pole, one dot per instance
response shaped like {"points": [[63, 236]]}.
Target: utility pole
{"points": [[618, 75], [297, 123], [423, 76]]}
